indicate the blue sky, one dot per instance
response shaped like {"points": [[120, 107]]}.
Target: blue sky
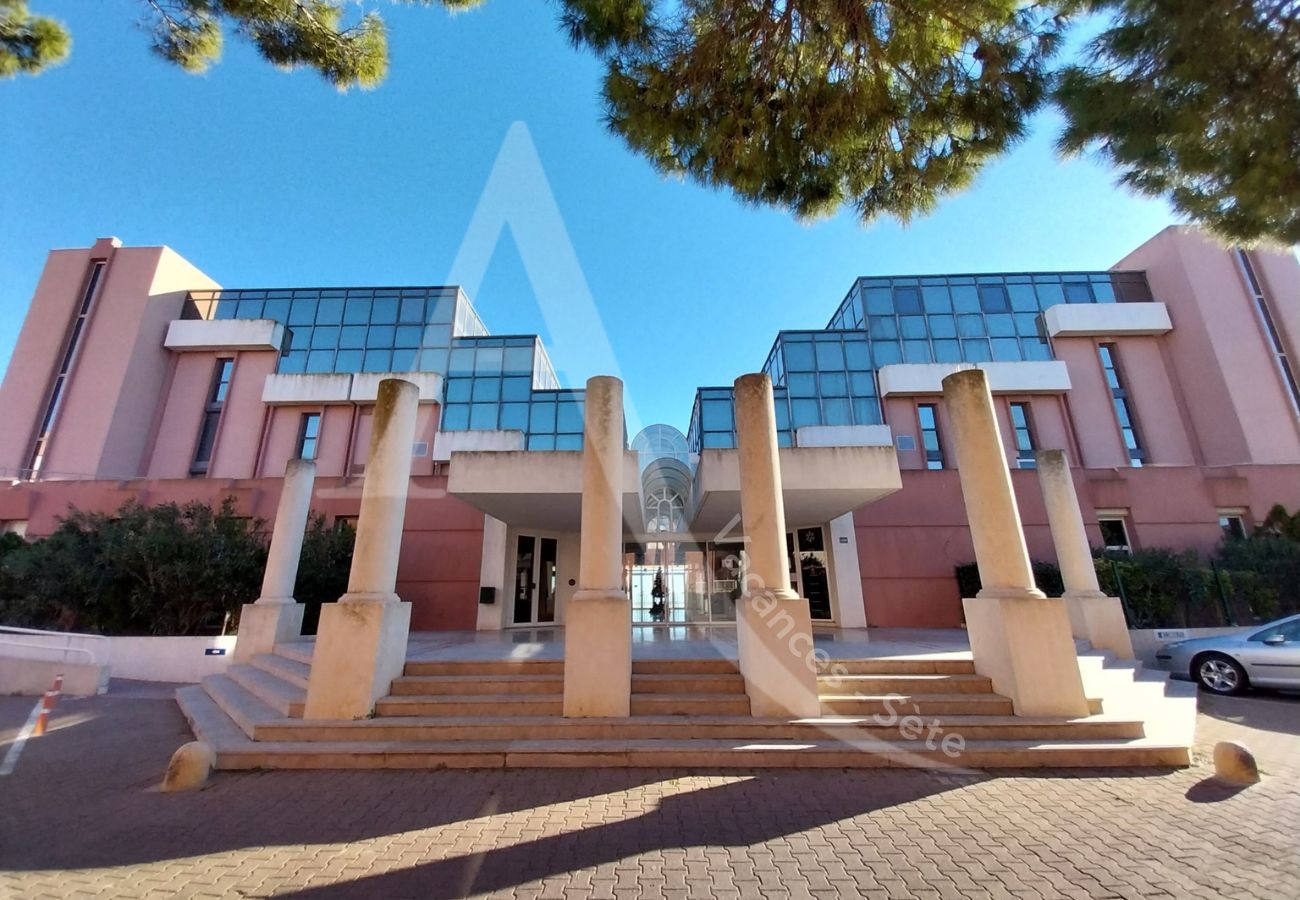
{"points": [[262, 178]]}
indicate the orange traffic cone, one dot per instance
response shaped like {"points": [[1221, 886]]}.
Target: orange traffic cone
{"points": [[48, 703]]}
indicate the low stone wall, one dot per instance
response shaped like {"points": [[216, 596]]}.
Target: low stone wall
{"points": [[175, 659], [1147, 641], [33, 677]]}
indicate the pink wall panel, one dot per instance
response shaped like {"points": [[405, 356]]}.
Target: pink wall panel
{"points": [[178, 430], [1089, 401], [242, 417]]}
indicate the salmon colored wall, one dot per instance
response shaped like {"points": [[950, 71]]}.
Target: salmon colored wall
{"points": [[1280, 275], [182, 413], [1095, 426], [239, 435], [38, 352], [1236, 400], [1152, 399]]}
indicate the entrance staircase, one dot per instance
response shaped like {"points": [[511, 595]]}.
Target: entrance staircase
{"points": [[685, 713]]}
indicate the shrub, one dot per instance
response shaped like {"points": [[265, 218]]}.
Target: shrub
{"points": [[1268, 566], [161, 570], [1046, 576]]}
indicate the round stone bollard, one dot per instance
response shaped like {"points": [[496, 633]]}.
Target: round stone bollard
{"points": [[1235, 764], [189, 767]]}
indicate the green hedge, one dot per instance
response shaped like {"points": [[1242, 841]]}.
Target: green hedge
{"points": [[159, 570]]}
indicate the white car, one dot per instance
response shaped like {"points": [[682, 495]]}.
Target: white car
{"points": [[1269, 656]]}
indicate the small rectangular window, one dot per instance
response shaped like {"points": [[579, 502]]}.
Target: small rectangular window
{"points": [[1114, 534], [1024, 435], [308, 435], [930, 436], [1232, 525]]}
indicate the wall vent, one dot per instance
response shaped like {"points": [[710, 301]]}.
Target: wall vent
{"points": [[420, 449], [906, 442]]}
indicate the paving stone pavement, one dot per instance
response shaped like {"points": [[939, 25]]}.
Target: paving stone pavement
{"points": [[80, 818]]}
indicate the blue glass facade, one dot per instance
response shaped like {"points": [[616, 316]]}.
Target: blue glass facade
{"points": [[490, 382], [829, 377]]}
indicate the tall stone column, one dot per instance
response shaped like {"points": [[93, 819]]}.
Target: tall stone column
{"points": [[1094, 617], [598, 618], [361, 641], [276, 617], [1020, 639], [773, 623]]}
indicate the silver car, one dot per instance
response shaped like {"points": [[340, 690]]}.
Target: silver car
{"points": [[1266, 657]]}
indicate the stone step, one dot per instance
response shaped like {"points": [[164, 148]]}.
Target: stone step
{"points": [[485, 667], [690, 705], [300, 651], [244, 709], [912, 666], [479, 705], [207, 720], [514, 728], [688, 684], [720, 754], [285, 698], [904, 684], [284, 668], [466, 685], [684, 667], [916, 704]]}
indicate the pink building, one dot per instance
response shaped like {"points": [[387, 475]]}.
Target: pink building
{"points": [[1169, 380]]}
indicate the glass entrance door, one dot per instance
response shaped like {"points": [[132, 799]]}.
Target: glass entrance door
{"points": [[535, 579]]}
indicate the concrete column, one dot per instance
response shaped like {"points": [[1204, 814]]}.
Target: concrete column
{"points": [[276, 618], [1019, 638], [1094, 617], [598, 618], [773, 625], [361, 641]]}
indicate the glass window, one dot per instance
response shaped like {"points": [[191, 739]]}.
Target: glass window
{"points": [[917, 352], [965, 299], [947, 351], [462, 361], [886, 352], [1035, 348], [433, 360], [517, 360], [302, 312], [455, 417], [930, 442], [883, 327], [798, 357], [935, 299], [1232, 526], [514, 416], [377, 361], [880, 301], [862, 384], [483, 416], [804, 412], [943, 327], [380, 337], [1000, 326], [568, 441], [1077, 292], [356, 312], [836, 412], [866, 412], [907, 300], [325, 337], [383, 311], [294, 362], [1120, 398], [352, 337], [542, 417], [912, 327], [1024, 435], [299, 338], [321, 361], [1023, 298], [1114, 534], [516, 388], [716, 415], [408, 336], [569, 417], [1006, 349], [403, 361], [541, 442], [857, 354], [830, 355], [1027, 324], [833, 384], [412, 310], [487, 361], [487, 390], [975, 351], [971, 326], [993, 298], [308, 433], [802, 384], [1049, 294]]}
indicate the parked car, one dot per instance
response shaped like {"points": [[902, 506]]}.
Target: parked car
{"points": [[1266, 657]]}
